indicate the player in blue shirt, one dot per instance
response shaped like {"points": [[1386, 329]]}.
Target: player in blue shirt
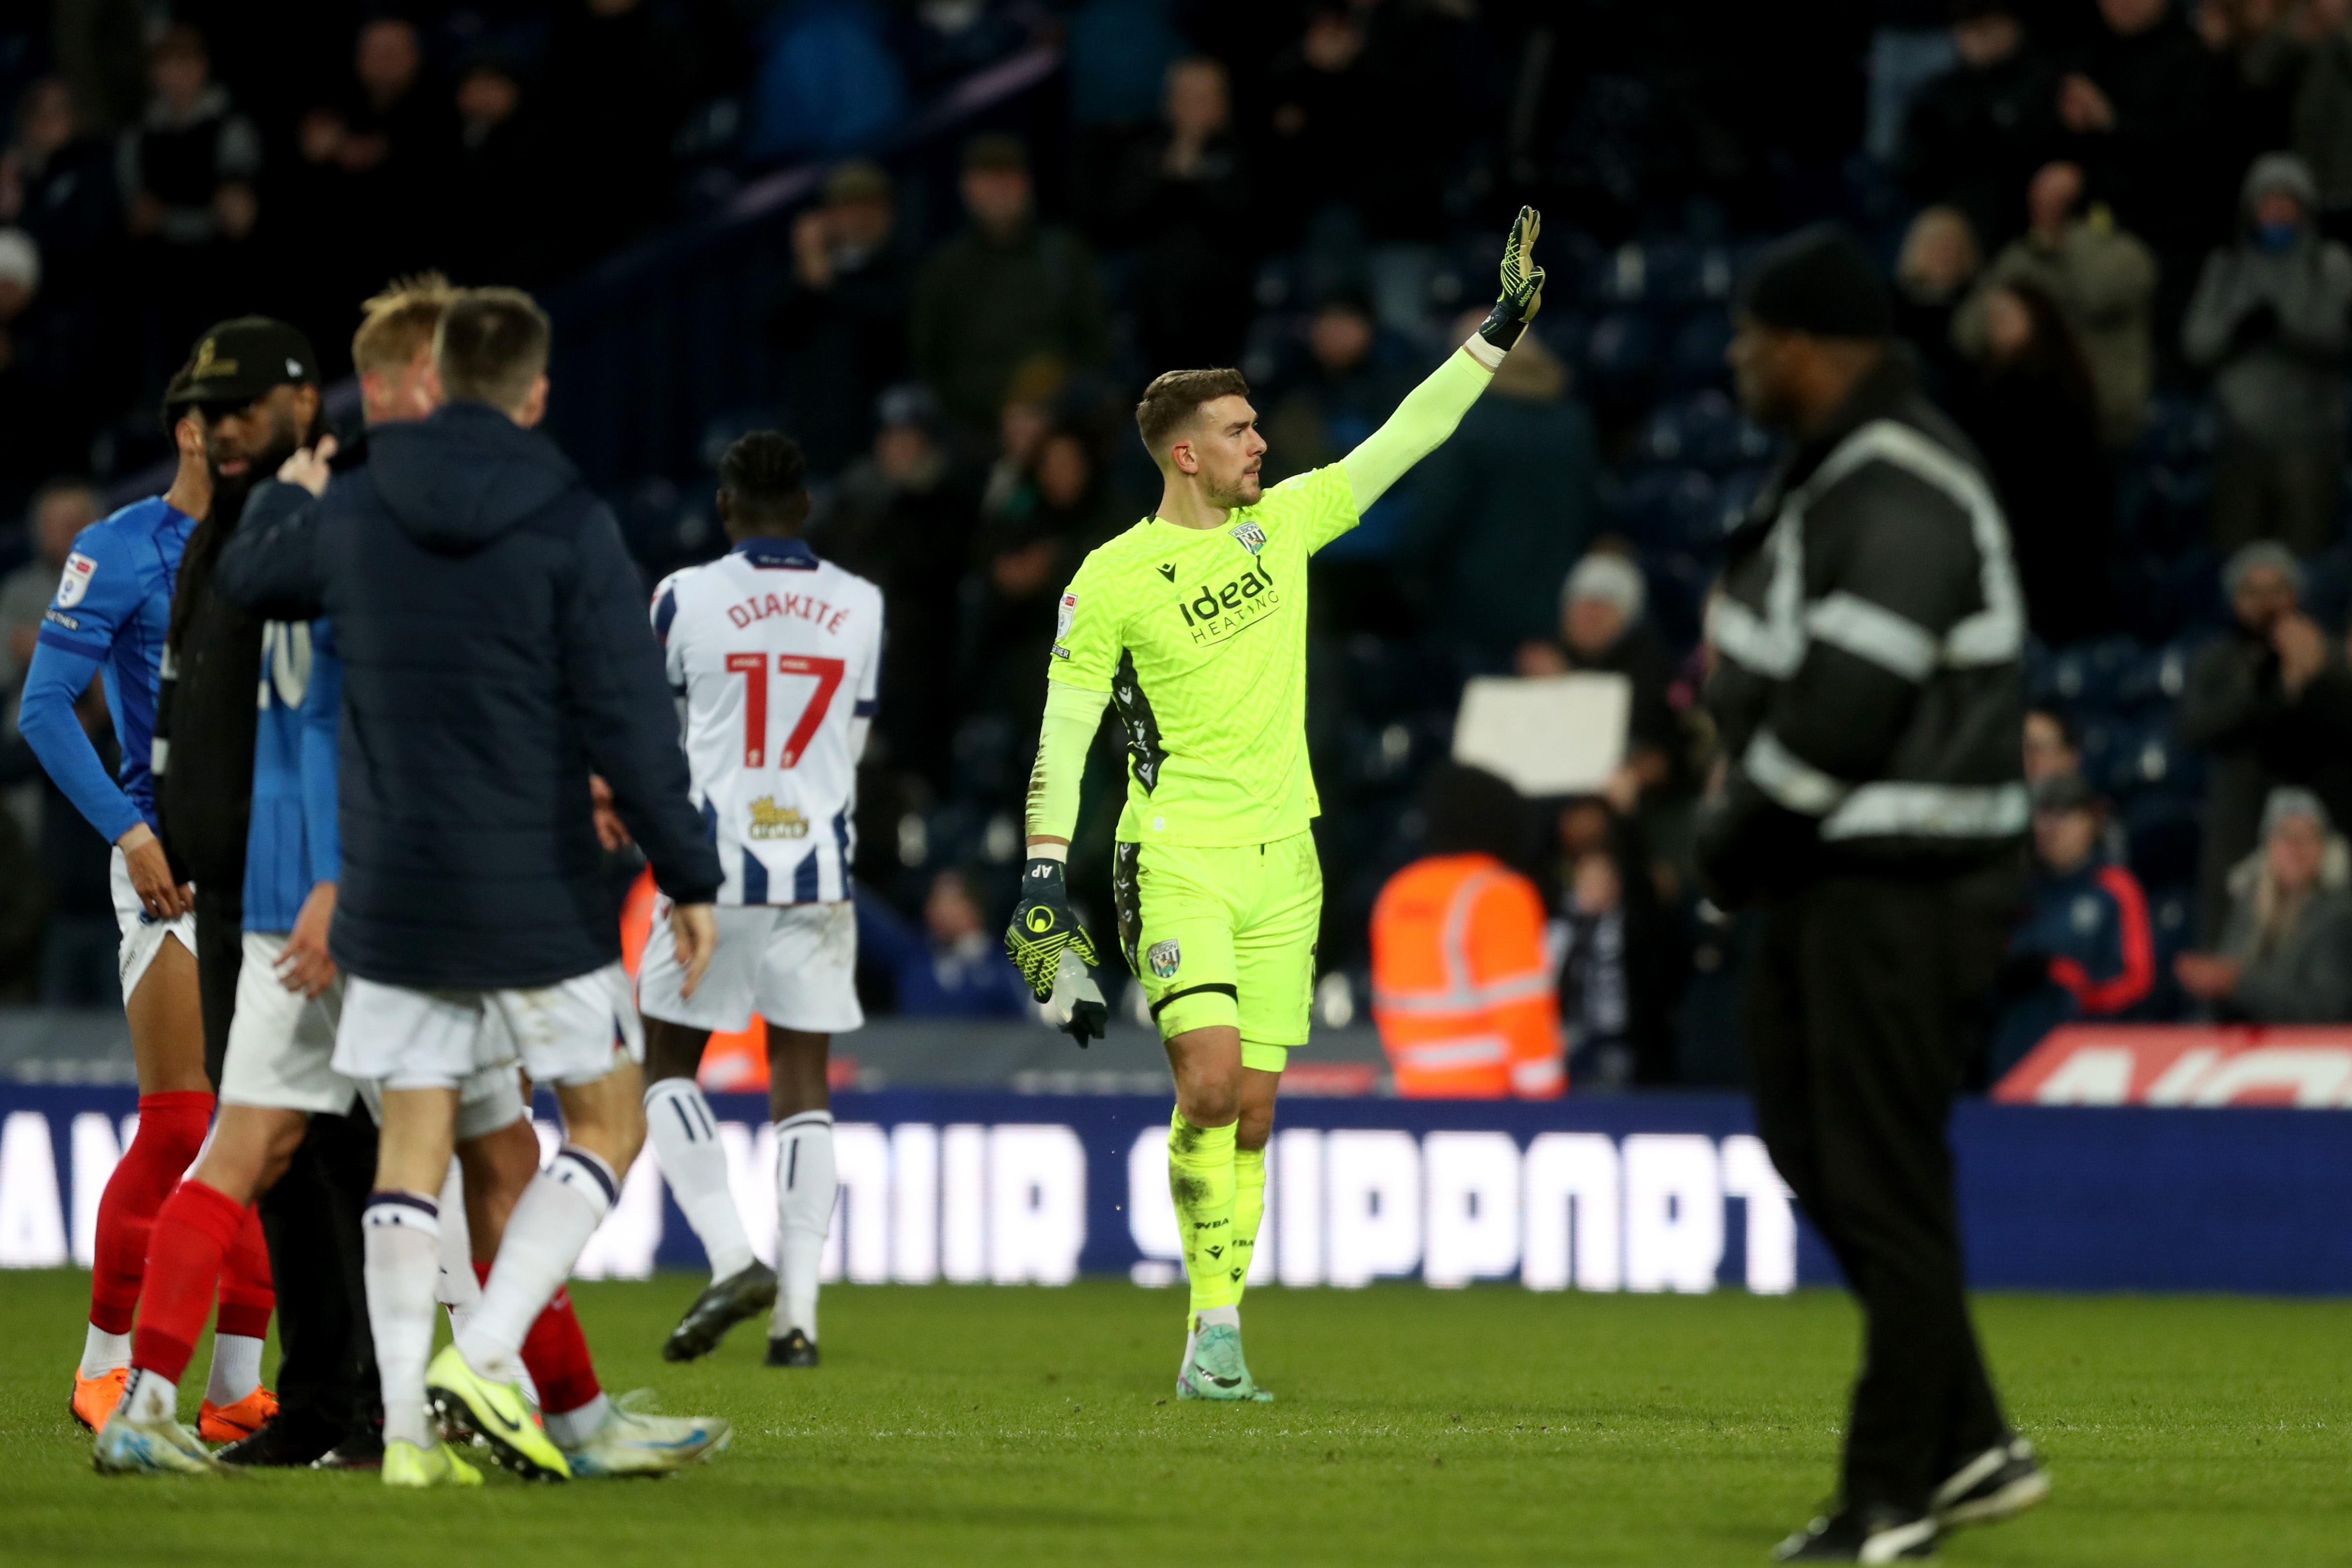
{"points": [[113, 607]]}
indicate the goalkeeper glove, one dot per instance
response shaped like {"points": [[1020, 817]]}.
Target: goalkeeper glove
{"points": [[1076, 1006], [1042, 926], [1523, 283]]}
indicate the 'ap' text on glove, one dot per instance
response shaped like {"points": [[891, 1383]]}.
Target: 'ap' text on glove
{"points": [[1043, 928]]}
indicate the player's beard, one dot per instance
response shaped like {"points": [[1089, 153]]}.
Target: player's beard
{"points": [[230, 490], [1244, 491]]}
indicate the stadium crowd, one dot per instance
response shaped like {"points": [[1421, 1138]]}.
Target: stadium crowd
{"points": [[2112, 229]]}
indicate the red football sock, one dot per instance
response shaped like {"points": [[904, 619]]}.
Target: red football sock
{"points": [[556, 1351], [246, 1296], [196, 1228], [170, 1131]]}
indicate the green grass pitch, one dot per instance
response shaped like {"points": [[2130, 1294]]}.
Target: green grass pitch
{"points": [[1035, 1426]]}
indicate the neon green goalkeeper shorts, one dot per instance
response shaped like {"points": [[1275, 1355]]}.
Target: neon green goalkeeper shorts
{"points": [[1223, 935]]}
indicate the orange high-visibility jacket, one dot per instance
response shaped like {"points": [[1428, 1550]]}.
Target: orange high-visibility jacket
{"points": [[1463, 990]]}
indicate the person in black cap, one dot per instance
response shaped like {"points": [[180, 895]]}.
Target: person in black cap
{"points": [[1868, 634], [253, 383]]}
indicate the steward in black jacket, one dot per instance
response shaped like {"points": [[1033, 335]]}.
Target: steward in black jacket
{"points": [[1867, 638], [495, 651]]}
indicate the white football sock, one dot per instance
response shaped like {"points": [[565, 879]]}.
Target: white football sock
{"points": [[236, 1368], [1229, 1316], [806, 1186], [149, 1396], [686, 1140], [457, 1289], [551, 1223], [103, 1353], [571, 1428], [402, 1234]]}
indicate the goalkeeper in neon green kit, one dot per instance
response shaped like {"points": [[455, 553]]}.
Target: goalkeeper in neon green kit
{"points": [[1193, 623]]}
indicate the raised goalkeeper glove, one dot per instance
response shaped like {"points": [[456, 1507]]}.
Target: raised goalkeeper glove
{"points": [[1523, 283], [1042, 926]]}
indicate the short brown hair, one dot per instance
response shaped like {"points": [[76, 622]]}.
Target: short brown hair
{"points": [[398, 324], [1173, 400], [490, 346]]}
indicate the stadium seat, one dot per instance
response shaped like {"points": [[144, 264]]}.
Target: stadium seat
{"points": [[2106, 742], [1703, 428], [2180, 429], [1695, 358], [2091, 674], [1621, 352], [2156, 678]]}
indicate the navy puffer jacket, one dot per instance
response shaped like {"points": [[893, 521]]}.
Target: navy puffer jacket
{"points": [[495, 651]]}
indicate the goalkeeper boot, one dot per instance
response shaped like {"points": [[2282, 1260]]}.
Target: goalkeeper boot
{"points": [[406, 1465], [2000, 1483], [158, 1447], [1213, 1368], [746, 1293], [634, 1442], [1877, 1534], [791, 1348], [473, 1406]]}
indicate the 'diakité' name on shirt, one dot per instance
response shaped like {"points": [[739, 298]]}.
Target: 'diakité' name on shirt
{"points": [[1216, 614], [804, 606]]}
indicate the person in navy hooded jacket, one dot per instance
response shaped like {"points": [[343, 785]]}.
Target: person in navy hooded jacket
{"points": [[2085, 949]]}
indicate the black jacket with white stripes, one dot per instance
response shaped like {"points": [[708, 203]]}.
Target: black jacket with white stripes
{"points": [[1867, 635]]}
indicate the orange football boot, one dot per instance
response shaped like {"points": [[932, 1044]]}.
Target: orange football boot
{"points": [[234, 1423], [94, 1398]]}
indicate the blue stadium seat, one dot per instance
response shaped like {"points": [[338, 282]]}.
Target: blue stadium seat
{"points": [[2157, 677], [1691, 515], [1567, 332], [1618, 277], [1695, 358], [1622, 350], [2091, 674], [1636, 502], [2180, 429], [1703, 428], [2106, 740]]}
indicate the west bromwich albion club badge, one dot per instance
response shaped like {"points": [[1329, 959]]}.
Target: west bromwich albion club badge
{"points": [[1165, 957], [1251, 536]]}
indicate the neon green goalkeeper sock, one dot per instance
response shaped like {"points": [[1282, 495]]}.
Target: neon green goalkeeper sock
{"points": [[1249, 1209], [1201, 1181]]}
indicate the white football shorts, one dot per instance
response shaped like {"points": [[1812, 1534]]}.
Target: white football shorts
{"points": [[795, 964], [574, 1032], [143, 936], [281, 1043], [489, 1101]]}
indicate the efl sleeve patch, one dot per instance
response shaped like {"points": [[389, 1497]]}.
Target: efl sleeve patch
{"points": [[75, 581]]}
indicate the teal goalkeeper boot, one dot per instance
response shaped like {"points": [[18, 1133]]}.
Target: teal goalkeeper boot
{"points": [[1213, 1368]]}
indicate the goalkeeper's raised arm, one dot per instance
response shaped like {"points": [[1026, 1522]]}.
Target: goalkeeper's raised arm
{"points": [[1432, 409]]}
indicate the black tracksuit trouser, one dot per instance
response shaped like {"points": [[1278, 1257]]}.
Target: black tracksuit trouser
{"points": [[1854, 1032]]}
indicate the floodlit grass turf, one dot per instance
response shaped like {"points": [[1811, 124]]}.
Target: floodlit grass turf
{"points": [[1034, 1427]]}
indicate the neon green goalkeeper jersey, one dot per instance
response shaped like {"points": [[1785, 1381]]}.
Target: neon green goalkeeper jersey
{"points": [[1199, 636]]}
